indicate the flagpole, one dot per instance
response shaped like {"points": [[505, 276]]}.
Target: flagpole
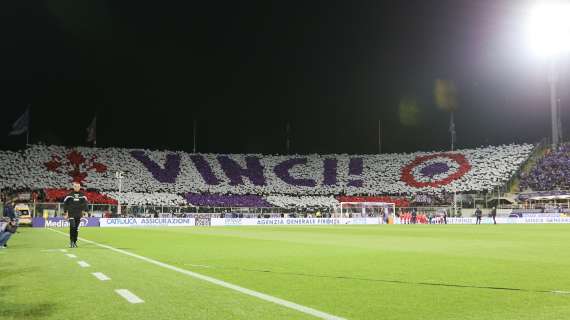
{"points": [[452, 131], [95, 138], [287, 137], [194, 136], [379, 136], [29, 124]]}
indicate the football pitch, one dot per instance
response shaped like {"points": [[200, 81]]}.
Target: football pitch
{"points": [[299, 272]]}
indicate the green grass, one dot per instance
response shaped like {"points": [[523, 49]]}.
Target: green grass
{"points": [[357, 272]]}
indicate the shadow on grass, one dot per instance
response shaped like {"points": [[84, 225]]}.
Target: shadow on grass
{"points": [[21, 310], [4, 292], [11, 271], [434, 284], [26, 311]]}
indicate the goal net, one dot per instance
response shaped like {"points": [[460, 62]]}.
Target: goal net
{"points": [[384, 211]]}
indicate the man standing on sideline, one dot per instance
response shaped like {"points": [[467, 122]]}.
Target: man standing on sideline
{"points": [[494, 215], [74, 206], [478, 214]]}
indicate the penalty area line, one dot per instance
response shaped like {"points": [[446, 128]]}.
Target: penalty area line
{"points": [[285, 303]]}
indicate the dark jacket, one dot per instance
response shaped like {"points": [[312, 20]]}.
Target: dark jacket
{"points": [[11, 227], [9, 211], [75, 204]]}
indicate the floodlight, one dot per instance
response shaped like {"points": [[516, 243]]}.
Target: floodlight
{"points": [[549, 28]]}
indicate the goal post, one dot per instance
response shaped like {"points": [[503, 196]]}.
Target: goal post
{"points": [[384, 211]]}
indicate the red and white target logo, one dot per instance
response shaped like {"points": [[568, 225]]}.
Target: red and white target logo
{"points": [[435, 170]]}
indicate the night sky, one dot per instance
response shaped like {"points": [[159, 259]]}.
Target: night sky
{"points": [[243, 69]]}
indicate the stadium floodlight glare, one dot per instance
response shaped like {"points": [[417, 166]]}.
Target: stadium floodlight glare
{"points": [[549, 28], [549, 36]]}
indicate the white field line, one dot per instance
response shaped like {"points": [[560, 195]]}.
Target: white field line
{"points": [[129, 296], [101, 276], [83, 264], [63, 250], [285, 303], [198, 265], [72, 256], [560, 292]]}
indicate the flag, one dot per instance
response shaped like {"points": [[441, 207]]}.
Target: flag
{"points": [[21, 125], [92, 131]]}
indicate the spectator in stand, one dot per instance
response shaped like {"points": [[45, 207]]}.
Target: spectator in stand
{"points": [[550, 172]]}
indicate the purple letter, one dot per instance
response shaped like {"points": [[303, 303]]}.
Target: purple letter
{"points": [[330, 172], [253, 170], [166, 175], [204, 169], [355, 167], [282, 171]]}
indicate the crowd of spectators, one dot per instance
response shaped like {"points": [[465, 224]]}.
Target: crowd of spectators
{"points": [[552, 172]]}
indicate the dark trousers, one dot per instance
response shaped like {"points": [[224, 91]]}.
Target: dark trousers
{"points": [[478, 220], [494, 221], [74, 228]]}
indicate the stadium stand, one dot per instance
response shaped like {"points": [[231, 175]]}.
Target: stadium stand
{"points": [[302, 201], [179, 173], [552, 172], [213, 200], [57, 195], [398, 202], [174, 178]]}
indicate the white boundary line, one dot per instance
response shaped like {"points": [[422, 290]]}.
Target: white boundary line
{"points": [[288, 304], [83, 264], [129, 296], [72, 256], [101, 276], [198, 265], [560, 292]]}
